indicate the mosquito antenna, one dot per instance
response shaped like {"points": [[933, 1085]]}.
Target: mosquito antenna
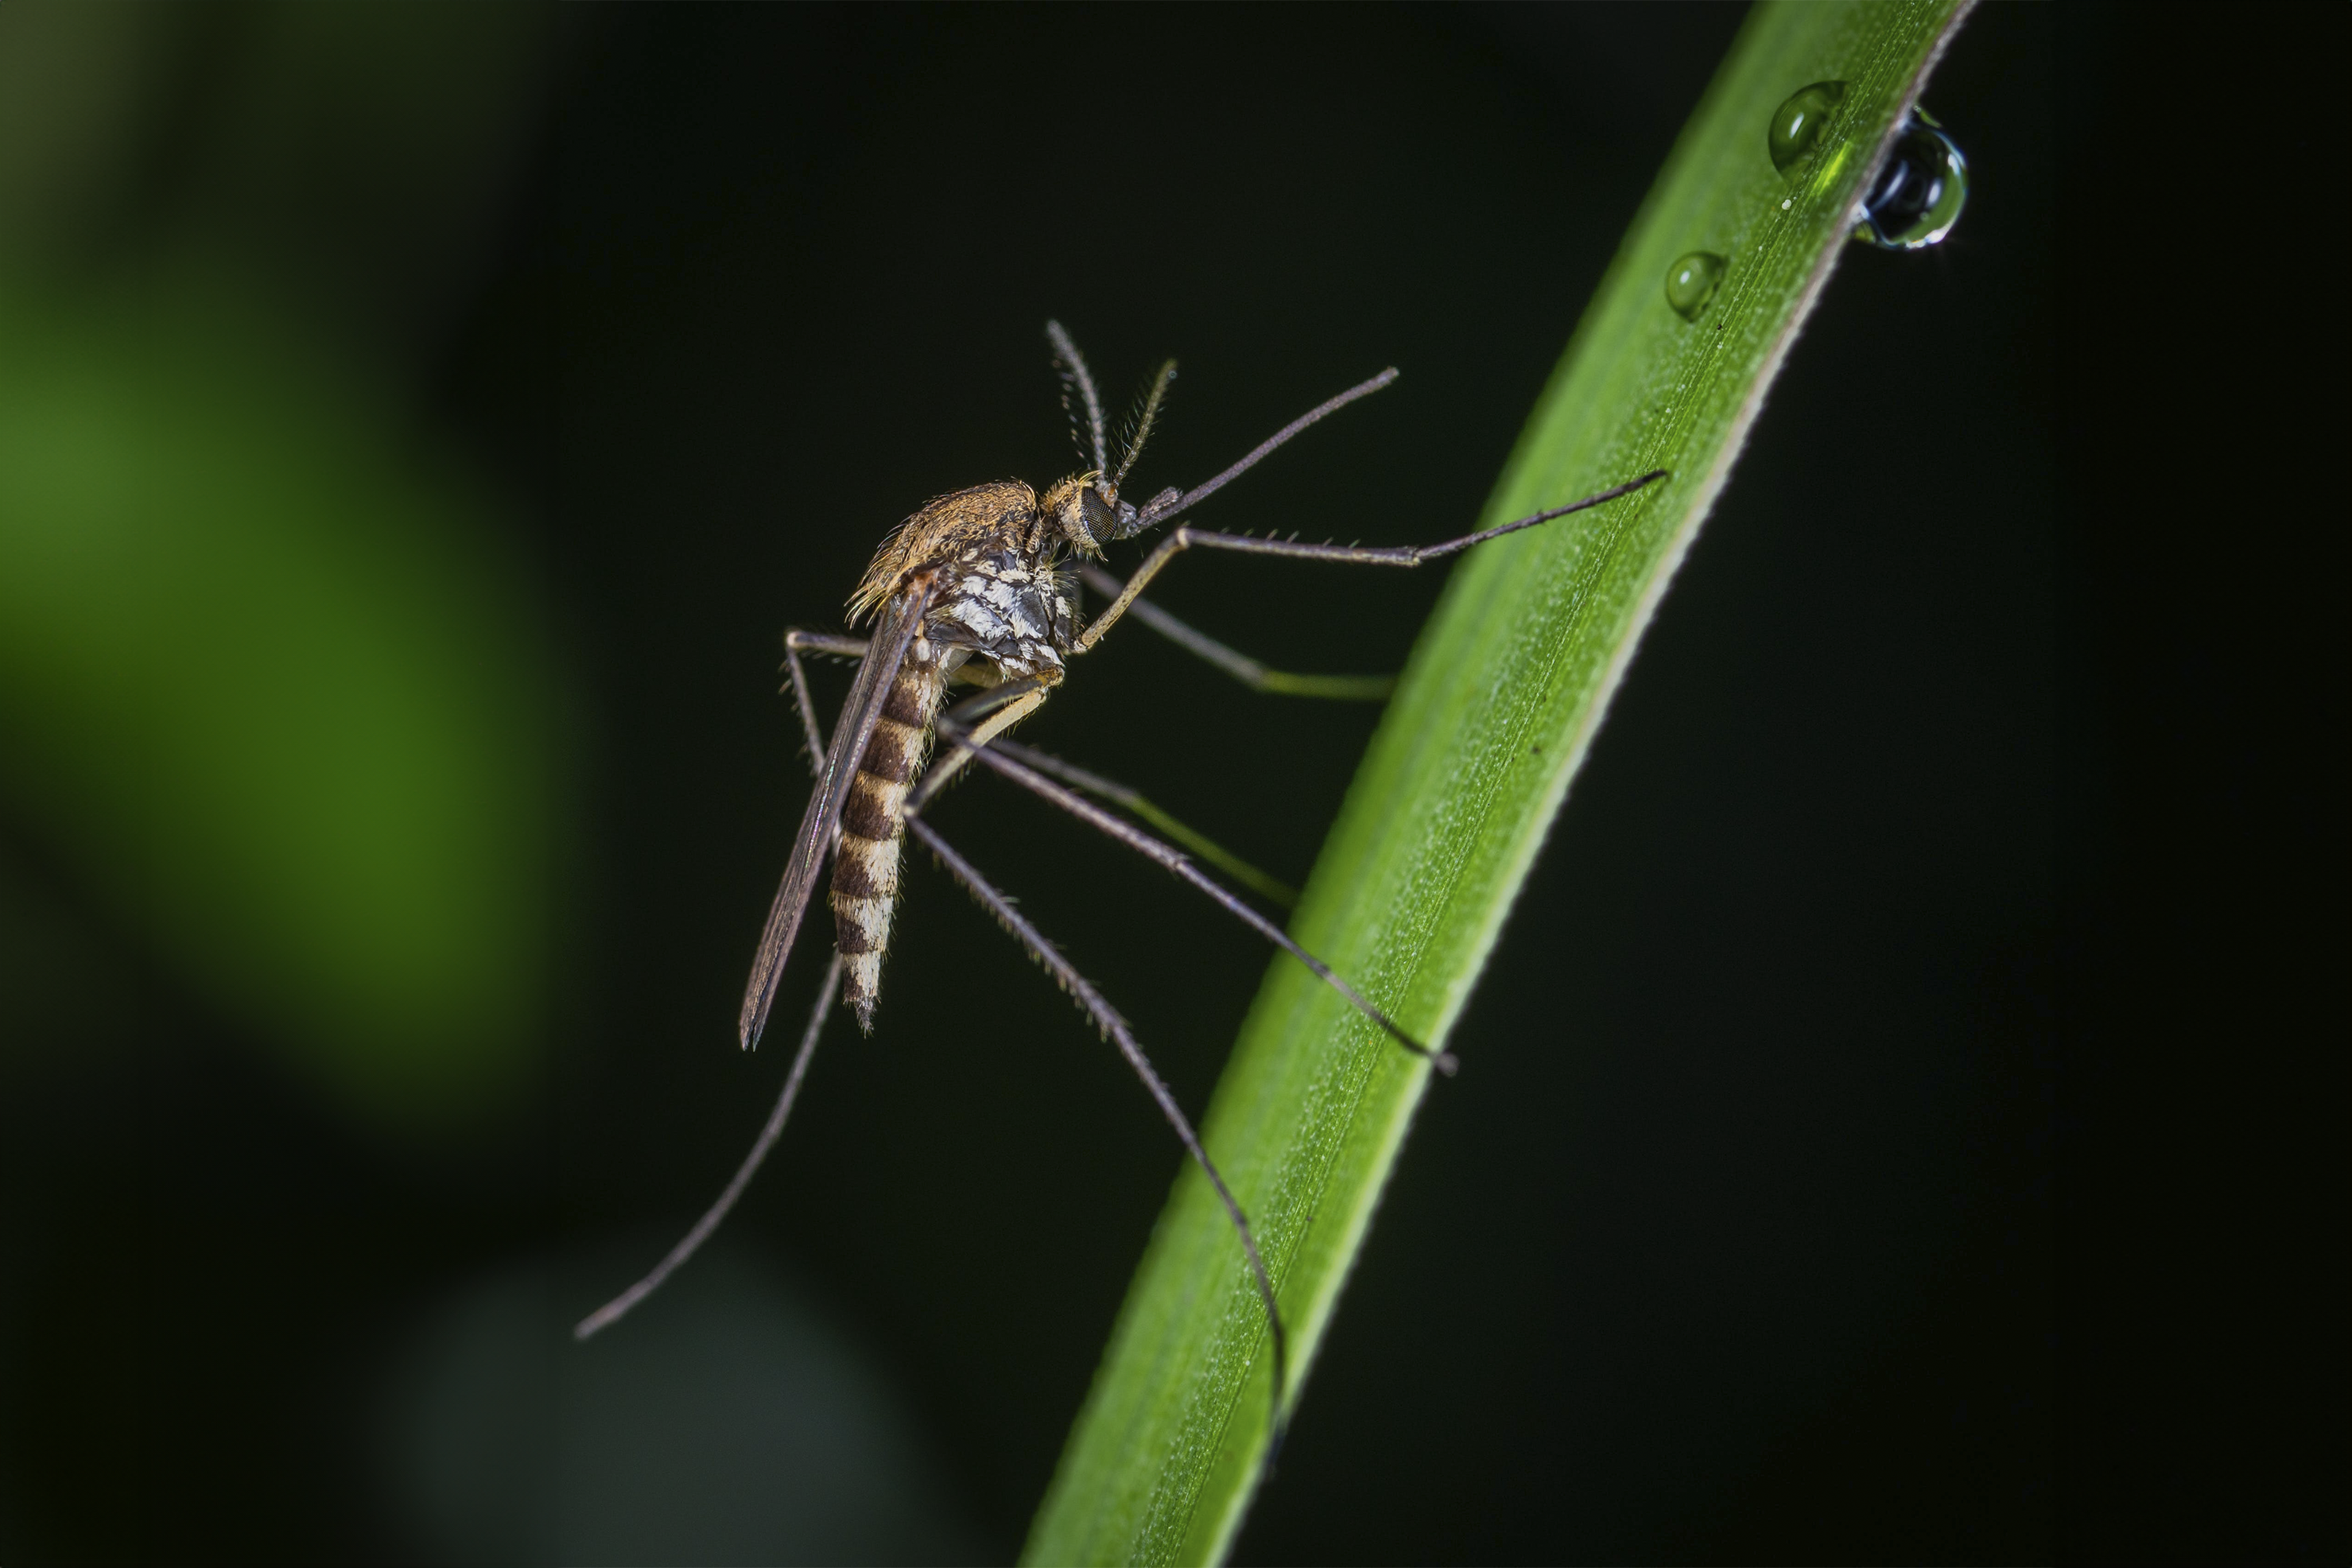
{"points": [[612, 1311], [1073, 367], [1140, 425], [1155, 512]]}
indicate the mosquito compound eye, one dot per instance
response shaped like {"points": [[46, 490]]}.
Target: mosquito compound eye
{"points": [[1096, 512]]}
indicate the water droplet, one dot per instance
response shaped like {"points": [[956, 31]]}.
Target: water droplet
{"points": [[1691, 280], [1797, 124], [1919, 193]]}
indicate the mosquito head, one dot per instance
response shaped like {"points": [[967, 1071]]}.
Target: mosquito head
{"points": [[1083, 510]]}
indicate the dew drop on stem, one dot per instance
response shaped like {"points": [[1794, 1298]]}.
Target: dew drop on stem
{"points": [[1796, 124], [1919, 196], [1691, 282]]}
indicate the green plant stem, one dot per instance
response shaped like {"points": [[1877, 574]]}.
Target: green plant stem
{"points": [[1492, 716]]}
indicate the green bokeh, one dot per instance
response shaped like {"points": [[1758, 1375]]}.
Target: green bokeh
{"points": [[267, 685]]}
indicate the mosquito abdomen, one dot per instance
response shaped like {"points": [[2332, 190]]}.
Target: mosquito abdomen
{"points": [[866, 867]]}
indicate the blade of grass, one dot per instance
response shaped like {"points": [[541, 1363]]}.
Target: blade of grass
{"points": [[1470, 764]]}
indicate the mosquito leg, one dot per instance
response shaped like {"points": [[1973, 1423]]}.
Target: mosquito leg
{"points": [[812, 732], [612, 1311], [969, 713], [1183, 538], [1241, 666], [975, 722], [795, 641], [1176, 860], [1120, 794], [824, 642], [1107, 1019]]}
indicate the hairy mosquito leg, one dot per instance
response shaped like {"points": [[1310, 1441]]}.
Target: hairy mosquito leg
{"points": [[1184, 539], [795, 642], [1107, 1019], [975, 722], [969, 713], [807, 706], [1241, 666], [1120, 794], [800, 641], [612, 1310], [1176, 860]]}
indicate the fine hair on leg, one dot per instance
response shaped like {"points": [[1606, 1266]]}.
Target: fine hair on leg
{"points": [[1176, 860], [612, 1310], [831, 643], [1184, 539], [797, 642], [1107, 1020], [975, 722], [1134, 800], [1250, 672]]}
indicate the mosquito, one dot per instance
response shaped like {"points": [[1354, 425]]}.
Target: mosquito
{"points": [[980, 588]]}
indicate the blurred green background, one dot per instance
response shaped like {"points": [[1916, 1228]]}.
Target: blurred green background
{"points": [[418, 423], [278, 683]]}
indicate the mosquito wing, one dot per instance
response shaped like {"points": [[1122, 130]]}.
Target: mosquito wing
{"points": [[893, 632]]}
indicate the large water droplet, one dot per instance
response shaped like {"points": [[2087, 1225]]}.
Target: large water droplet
{"points": [[1797, 124], [1919, 193], [1691, 280]]}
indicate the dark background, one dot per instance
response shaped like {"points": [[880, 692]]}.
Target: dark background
{"points": [[1735, 1238]]}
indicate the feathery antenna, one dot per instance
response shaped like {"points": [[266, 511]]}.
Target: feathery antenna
{"points": [[1142, 428], [1157, 512], [1075, 374]]}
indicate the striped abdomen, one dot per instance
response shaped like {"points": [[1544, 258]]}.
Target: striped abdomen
{"points": [[866, 867]]}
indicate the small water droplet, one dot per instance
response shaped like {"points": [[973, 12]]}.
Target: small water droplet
{"points": [[1919, 193], [1797, 124], [1691, 281]]}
